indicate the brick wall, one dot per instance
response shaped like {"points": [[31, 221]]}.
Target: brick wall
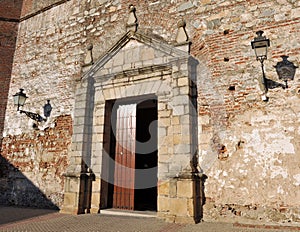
{"points": [[11, 9], [7, 48], [34, 164], [33, 7], [9, 16]]}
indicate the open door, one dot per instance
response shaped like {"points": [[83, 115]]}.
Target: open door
{"points": [[134, 151], [145, 196], [124, 175]]}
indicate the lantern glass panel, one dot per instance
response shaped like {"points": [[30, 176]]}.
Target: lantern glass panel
{"points": [[16, 100], [22, 100], [260, 45], [261, 51]]}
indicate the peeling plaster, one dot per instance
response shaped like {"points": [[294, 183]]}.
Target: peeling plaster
{"points": [[280, 190], [263, 171], [279, 143], [270, 147], [277, 170], [297, 179]]}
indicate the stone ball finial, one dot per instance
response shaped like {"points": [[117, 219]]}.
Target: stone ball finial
{"points": [[132, 8], [182, 36], [181, 23], [90, 47], [132, 23], [89, 60]]}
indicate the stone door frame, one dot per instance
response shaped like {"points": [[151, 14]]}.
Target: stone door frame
{"points": [[171, 78]]}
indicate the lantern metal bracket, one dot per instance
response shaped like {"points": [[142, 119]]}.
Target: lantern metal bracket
{"points": [[19, 100], [33, 116], [264, 79]]}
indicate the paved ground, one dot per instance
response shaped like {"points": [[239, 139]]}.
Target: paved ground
{"points": [[37, 220]]}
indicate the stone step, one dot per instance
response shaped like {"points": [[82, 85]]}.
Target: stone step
{"points": [[118, 212]]}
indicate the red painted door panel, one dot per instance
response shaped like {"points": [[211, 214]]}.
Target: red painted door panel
{"points": [[123, 197]]}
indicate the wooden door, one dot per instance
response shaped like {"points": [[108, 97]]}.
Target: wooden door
{"points": [[123, 197]]}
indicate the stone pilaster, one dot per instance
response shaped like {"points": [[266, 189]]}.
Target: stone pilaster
{"points": [[79, 176], [71, 195], [179, 198]]}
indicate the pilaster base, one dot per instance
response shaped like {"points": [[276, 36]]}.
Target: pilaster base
{"points": [[71, 195], [180, 199]]}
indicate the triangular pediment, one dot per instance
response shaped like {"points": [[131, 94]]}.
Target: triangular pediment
{"points": [[135, 51]]}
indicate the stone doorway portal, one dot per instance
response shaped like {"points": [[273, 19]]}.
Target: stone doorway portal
{"points": [[133, 152], [137, 69]]}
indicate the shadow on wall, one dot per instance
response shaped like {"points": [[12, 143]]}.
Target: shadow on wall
{"points": [[17, 190], [198, 176], [47, 166], [85, 197]]}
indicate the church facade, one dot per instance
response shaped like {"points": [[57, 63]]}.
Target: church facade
{"points": [[154, 106]]}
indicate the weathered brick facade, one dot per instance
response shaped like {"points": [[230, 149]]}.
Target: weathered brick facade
{"points": [[247, 148], [36, 162], [9, 18]]}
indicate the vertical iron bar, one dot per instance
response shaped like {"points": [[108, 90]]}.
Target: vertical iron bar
{"points": [[264, 80]]}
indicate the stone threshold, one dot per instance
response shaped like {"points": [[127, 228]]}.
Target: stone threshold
{"points": [[118, 212]]}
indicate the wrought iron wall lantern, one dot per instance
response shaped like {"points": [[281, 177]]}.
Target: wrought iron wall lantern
{"points": [[19, 101], [260, 45], [286, 70]]}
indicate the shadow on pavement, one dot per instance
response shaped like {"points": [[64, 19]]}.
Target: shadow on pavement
{"points": [[20, 199], [15, 214]]}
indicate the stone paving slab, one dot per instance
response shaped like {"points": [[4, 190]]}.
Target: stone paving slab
{"points": [[34, 220]]}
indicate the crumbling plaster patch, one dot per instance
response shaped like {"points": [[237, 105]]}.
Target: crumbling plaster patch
{"points": [[261, 164], [297, 179]]}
